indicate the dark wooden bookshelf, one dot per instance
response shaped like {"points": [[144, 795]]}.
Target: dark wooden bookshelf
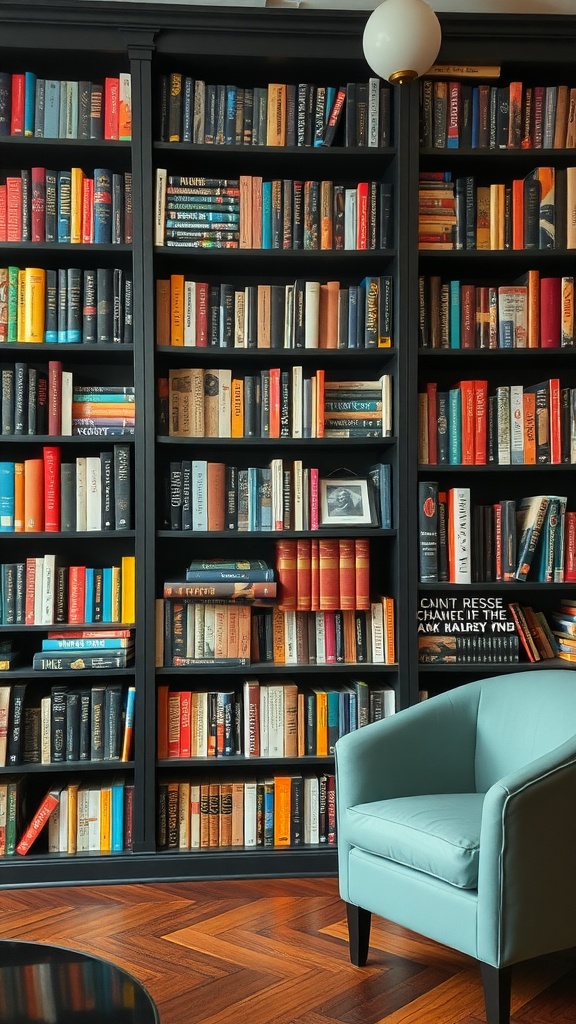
{"points": [[95, 39]]}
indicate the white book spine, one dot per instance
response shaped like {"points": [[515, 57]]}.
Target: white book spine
{"points": [[298, 486], [460, 524], [202, 726], [224, 403], [297, 403], [199, 497], [189, 313], [311, 314], [250, 813], [48, 589], [94, 818], [290, 644], [275, 721], [209, 630], [63, 808], [377, 623], [320, 638], [81, 494], [387, 408], [45, 721], [503, 417], [311, 818], [194, 816], [199, 630], [373, 111], [93, 493], [264, 721], [160, 206], [517, 424], [82, 821], [350, 218], [66, 391]]}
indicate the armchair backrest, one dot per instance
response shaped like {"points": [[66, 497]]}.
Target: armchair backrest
{"points": [[520, 717]]}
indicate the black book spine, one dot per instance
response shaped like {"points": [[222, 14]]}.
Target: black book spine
{"points": [[122, 487], [163, 108], [104, 305], [58, 724], [32, 398], [186, 494], [117, 306], [84, 89], [428, 531], [72, 726], [68, 497], [51, 204], [96, 111], [8, 400], [15, 738], [84, 725], [89, 307], [97, 710], [20, 398], [61, 596], [187, 108], [214, 315], [74, 305], [128, 311], [51, 316], [231, 492], [226, 316], [117, 225], [112, 723], [175, 495], [107, 490]]}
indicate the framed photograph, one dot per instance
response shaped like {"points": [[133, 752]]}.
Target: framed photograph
{"points": [[348, 501]]}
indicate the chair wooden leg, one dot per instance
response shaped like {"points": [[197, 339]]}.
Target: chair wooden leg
{"points": [[496, 982], [358, 933]]}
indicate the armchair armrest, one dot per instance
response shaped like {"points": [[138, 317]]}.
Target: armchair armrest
{"points": [[527, 876], [428, 748]]}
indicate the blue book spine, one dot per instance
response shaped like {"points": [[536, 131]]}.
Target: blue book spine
{"points": [[107, 594], [385, 502], [455, 313], [117, 817], [64, 199], [268, 815], [89, 596], [454, 427], [475, 117], [88, 644], [6, 497], [29, 102], [333, 719], [102, 205], [353, 712], [253, 516], [266, 214]]}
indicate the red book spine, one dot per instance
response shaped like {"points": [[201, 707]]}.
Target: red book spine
{"points": [[111, 108], [54, 397], [498, 573], [17, 110], [38, 218], [303, 575], [76, 593], [51, 489], [347, 572], [362, 560], [13, 209], [453, 128], [481, 422], [550, 311], [315, 575], [286, 574], [35, 827], [330, 637], [329, 574], [362, 215], [185, 724], [468, 422], [87, 216]]}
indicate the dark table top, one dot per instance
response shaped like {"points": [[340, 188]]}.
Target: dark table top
{"points": [[41, 984]]}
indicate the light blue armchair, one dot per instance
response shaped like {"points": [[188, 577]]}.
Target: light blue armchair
{"points": [[457, 819]]}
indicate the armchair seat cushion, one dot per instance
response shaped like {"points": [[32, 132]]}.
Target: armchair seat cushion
{"points": [[438, 834]]}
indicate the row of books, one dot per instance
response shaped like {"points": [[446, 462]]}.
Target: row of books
{"points": [[275, 214], [534, 312], [277, 811], [278, 114], [194, 402], [328, 574], [54, 109], [94, 723], [514, 424], [303, 314], [38, 402], [71, 206], [67, 306], [350, 637], [547, 636], [267, 635], [42, 591], [533, 212], [213, 496], [265, 719], [509, 541], [44, 494], [89, 817], [459, 115]]}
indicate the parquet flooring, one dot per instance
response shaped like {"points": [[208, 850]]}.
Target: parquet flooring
{"points": [[274, 952]]}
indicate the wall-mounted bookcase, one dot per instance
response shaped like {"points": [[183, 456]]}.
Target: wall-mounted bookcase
{"points": [[243, 340]]}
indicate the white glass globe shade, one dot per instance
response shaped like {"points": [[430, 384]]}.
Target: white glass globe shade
{"points": [[402, 39]]}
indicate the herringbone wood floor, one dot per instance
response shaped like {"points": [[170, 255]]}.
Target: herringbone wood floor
{"points": [[273, 952]]}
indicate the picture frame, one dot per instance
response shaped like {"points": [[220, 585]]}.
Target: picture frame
{"points": [[347, 501]]}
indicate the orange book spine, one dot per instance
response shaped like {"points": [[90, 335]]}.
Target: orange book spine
{"points": [[244, 620], [278, 640], [389, 630], [347, 572], [555, 419], [329, 573], [111, 108], [87, 216], [19, 508], [246, 189], [315, 575], [76, 593], [529, 407], [517, 213], [282, 802], [37, 823], [30, 591], [33, 495], [303, 575], [349, 621], [177, 309], [326, 215], [362, 571], [162, 311], [362, 215], [237, 408], [320, 390], [216, 477], [103, 409], [286, 571], [321, 723]]}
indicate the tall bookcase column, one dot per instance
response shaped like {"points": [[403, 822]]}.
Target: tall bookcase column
{"points": [[140, 47]]}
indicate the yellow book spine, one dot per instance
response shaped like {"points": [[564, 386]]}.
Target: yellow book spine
{"points": [[34, 305], [177, 309], [77, 179], [128, 599], [105, 819]]}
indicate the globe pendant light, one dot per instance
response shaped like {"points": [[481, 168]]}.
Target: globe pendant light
{"points": [[401, 40]]}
